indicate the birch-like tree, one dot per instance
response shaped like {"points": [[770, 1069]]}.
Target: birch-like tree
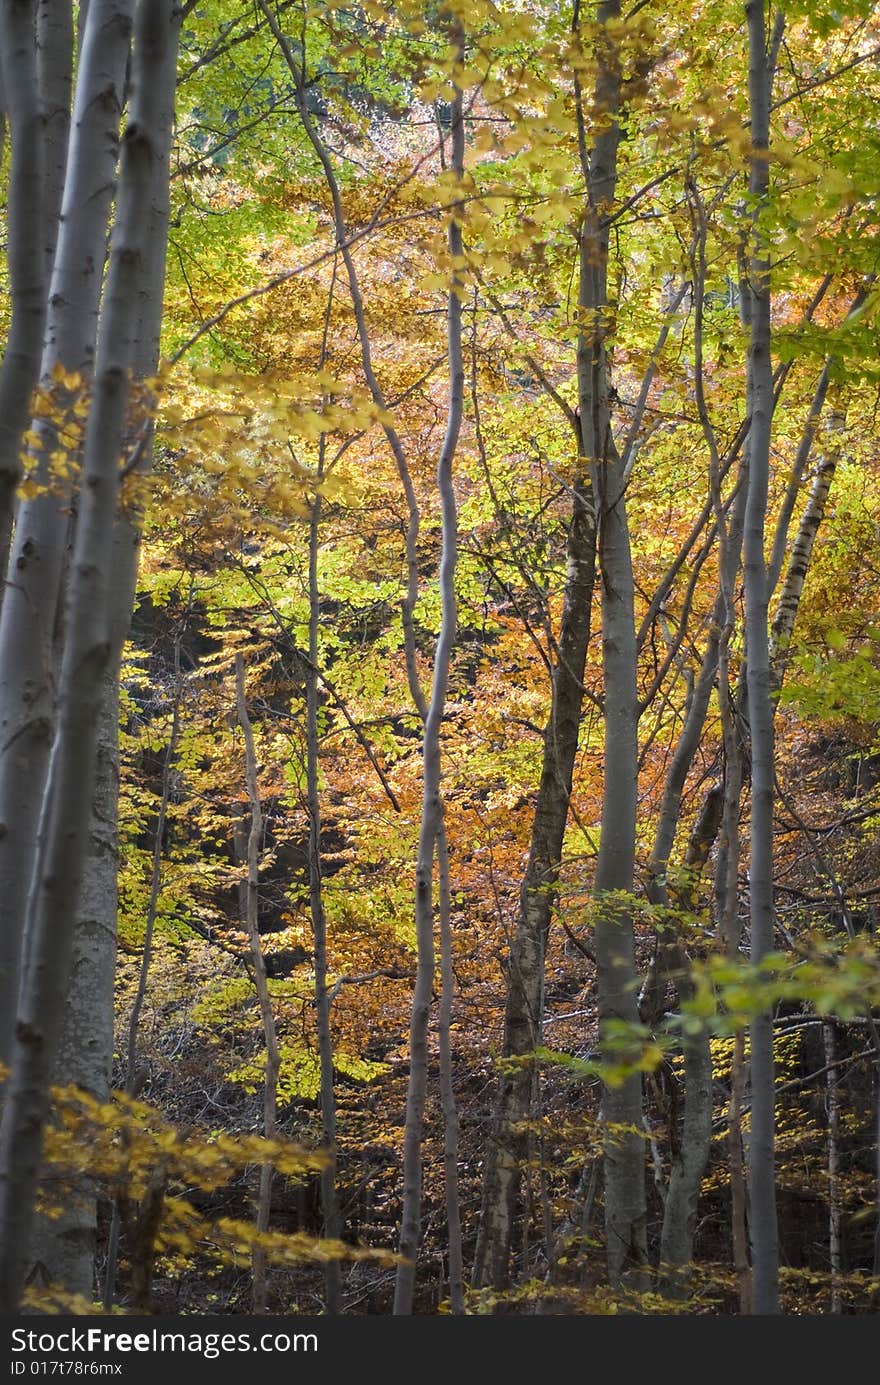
{"points": [[91, 639], [33, 605], [762, 1172]]}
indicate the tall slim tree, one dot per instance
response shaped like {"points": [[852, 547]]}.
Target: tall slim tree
{"points": [[88, 651], [431, 824], [624, 1161], [64, 1246], [36, 46], [329, 1195], [29, 617], [762, 1173]]}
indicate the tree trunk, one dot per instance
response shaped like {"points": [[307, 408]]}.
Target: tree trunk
{"points": [[90, 1000], [689, 1160], [762, 1182], [55, 69], [3, 112], [37, 94], [36, 47], [432, 804], [329, 1196], [252, 922], [87, 655], [835, 1237], [63, 1250], [26, 266], [799, 559], [738, 1193], [625, 1232], [447, 1089], [31, 604]]}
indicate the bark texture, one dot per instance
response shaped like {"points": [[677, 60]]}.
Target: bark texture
{"points": [[625, 1230], [88, 654], [762, 1181], [64, 1247], [37, 93], [29, 615], [267, 1016], [329, 1196], [431, 823]]}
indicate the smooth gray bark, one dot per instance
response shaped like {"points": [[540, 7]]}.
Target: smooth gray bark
{"points": [[784, 618], [762, 1176], [329, 1196], [625, 1212], [65, 1247], [87, 655], [738, 1194], [691, 1153], [36, 43], [27, 273], [30, 608], [21, 359], [432, 804], [455, 1252], [805, 447], [267, 1016], [54, 37], [792, 490], [835, 1164]]}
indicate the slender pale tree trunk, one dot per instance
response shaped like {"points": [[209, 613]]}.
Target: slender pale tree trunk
{"points": [[36, 50], [329, 1195], [31, 604], [65, 1246], [55, 68], [802, 456], [87, 655], [432, 804], [738, 1189], [732, 717], [252, 922], [63, 1250], [36, 47], [26, 266], [726, 893], [801, 553], [625, 1229], [835, 1236], [454, 1247], [762, 1173], [412, 587], [377, 394], [689, 1161]]}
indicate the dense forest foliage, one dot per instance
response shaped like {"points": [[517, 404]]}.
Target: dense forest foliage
{"points": [[439, 682]]}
